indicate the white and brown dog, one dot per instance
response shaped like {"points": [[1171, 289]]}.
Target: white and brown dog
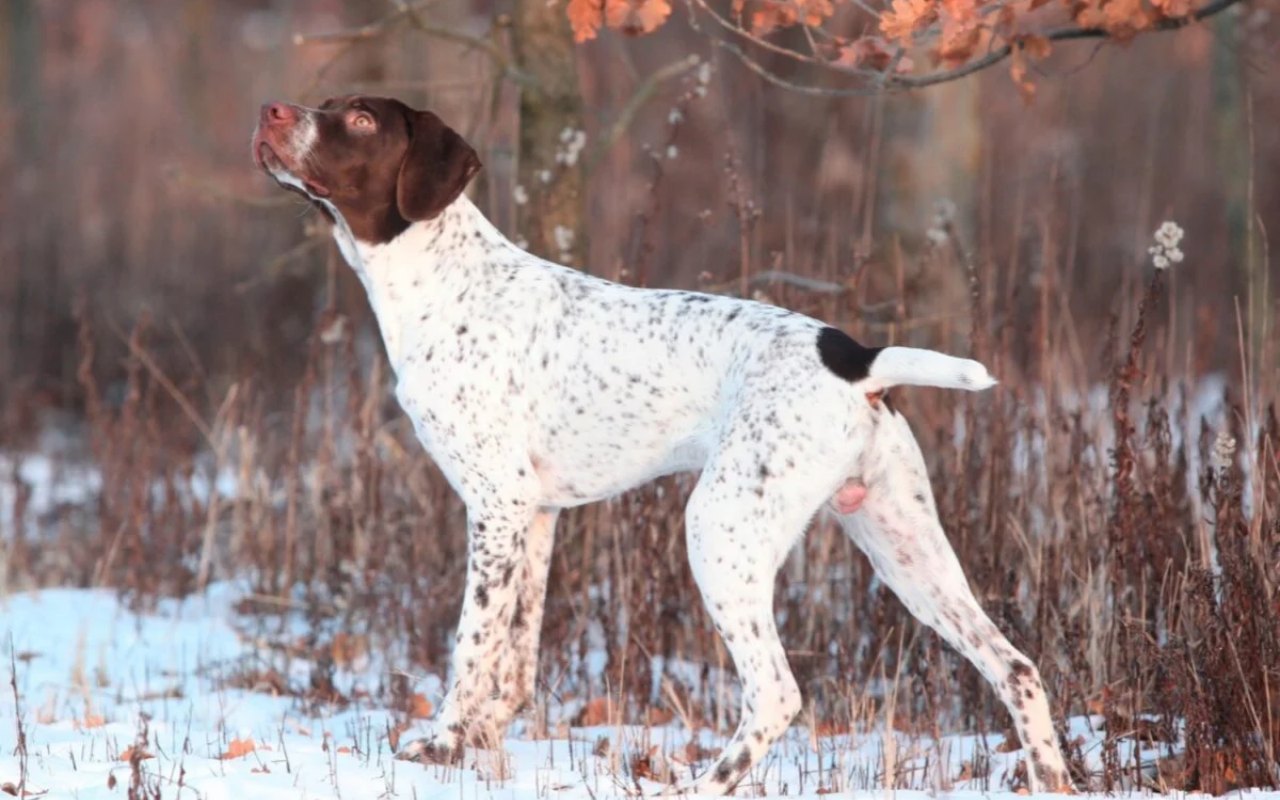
{"points": [[536, 388]]}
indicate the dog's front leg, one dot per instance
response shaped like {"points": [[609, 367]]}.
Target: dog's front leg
{"points": [[496, 531], [520, 671]]}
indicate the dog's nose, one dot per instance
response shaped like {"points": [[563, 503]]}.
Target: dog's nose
{"points": [[278, 114]]}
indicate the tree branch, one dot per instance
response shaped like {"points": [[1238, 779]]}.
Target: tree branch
{"points": [[1061, 34], [887, 82]]}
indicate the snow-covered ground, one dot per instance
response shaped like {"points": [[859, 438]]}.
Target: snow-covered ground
{"points": [[96, 684]]}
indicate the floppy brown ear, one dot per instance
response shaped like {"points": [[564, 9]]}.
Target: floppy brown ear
{"points": [[437, 166]]}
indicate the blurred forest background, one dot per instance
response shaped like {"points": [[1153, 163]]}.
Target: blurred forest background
{"points": [[123, 153], [182, 347]]}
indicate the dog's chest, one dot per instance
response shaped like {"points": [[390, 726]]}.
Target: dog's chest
{"points": [[598, 403]]}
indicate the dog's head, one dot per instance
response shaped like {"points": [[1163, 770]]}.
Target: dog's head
{"points": [[373, 160]]}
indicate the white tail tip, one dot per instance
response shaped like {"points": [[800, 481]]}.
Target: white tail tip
{"points": [[897, 366]]}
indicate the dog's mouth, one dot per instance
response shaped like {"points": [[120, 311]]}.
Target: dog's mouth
{"points": [[266, 157], [285, 174]]}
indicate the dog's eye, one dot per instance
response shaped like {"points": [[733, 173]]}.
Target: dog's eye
{"points": [[361, 120]]}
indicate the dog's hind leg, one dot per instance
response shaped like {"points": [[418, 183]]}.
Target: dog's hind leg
{"points": [[897, 527]]}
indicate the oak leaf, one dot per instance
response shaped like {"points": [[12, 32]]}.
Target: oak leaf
{"points": [[1038, 47], [130, 753], [1173, 8], [769, 15], [348, 648], [238, 748], [905, 17], [596, 712], [826, 728], [868, 52], [962, 11], [1018, 71], [693, 753], [634, 17], [585, 17], [959, 39], [421, 707], [1125, 18]]}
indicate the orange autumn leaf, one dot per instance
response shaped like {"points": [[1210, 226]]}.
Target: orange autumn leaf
{"points": [[1173, 8], [815, 12], [238, 748], [595, 713], [694, 753], [130, 753], [395, 732], [769, 15], [962, 11], [1038, 47], [421, 707], [827, 728], [634, 17], [347, 648], [1124, 18], [958, 41], [92, 721], [905, 17], [585, 17], [869, 52], [1018, 71], [646, 765]]}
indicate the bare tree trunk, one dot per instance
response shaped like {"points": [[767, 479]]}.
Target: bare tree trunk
{"points": [[552, 221], [20, 34], [21, 28]]}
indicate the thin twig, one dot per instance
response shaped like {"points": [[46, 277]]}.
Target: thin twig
{"points": [[169, 386], [643, 92], [273, 268], [789, 278], [409, 13], [770, 46]]}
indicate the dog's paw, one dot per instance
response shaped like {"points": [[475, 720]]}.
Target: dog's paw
{"points": [[431, 750]]}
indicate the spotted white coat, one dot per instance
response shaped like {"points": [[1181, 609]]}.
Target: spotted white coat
{"points": [[537, 388]]}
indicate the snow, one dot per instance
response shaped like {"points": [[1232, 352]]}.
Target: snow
{"points": [[89, 673]]}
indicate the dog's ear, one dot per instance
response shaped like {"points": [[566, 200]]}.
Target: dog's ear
{"points": [[437, 166]]}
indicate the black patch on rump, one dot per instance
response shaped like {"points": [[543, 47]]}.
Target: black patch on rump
{"points": [[843, 356]]}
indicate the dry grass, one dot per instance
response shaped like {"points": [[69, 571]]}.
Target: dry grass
{"points": [[1118, 542], [1091, 498]]}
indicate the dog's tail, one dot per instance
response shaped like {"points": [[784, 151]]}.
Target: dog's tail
{"points": [[898, 366]]}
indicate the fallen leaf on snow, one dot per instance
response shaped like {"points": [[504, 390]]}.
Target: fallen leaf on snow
{"points": [[238, 748], [421, 707]]}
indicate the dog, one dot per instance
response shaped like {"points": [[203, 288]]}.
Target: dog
{"points": [[537, 388]]}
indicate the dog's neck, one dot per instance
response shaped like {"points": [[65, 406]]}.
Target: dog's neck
{"points": [[425, 270]]}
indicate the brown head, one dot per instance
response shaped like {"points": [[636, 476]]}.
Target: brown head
{"points": [[380, 164]]}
